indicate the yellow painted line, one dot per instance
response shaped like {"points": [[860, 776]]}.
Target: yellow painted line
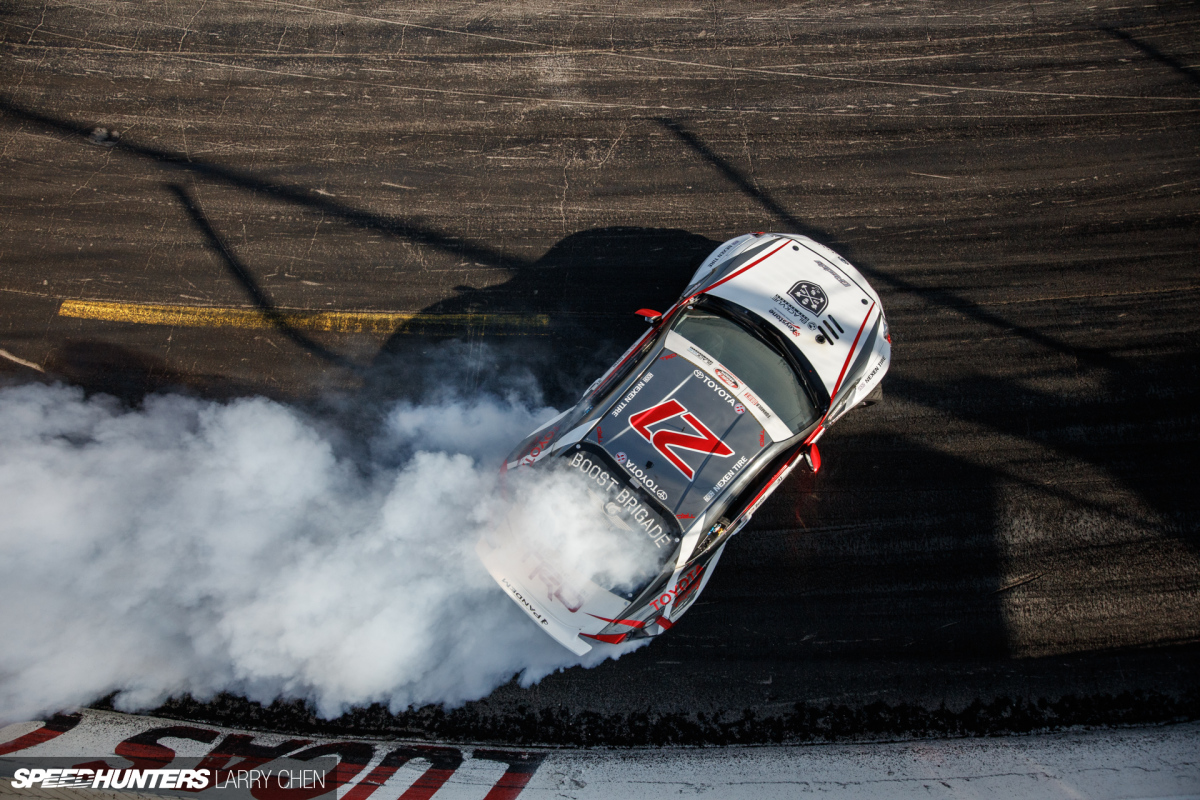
{"points": [[380, 322]]}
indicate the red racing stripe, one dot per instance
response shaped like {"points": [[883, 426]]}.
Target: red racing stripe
{"points": [[610, 638], [753, 263], [841, 375], [771, 483], [633, 623], [813, 436]]}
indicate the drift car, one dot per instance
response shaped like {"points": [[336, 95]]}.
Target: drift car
{"points": [[775, 338]]}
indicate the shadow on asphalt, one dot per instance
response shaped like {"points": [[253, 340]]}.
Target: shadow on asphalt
{"points": [[588, 285]]}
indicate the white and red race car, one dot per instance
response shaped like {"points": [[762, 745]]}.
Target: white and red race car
{"points": [[775, 338]]}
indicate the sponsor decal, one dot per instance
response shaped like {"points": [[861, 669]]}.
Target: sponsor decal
{"points": [[620, 362], [719, 485], [686, 581], [524, 603], [685, 595], [762, 439], [621, 458], [669, 442], [700, 356], [873, 372], [791, 326], [726, 378], [189, 779], [539, 447], [716, 387], [717, 256], [668, 355], [616, 412], [647, 481], [749, 397], [832, 272], [809, 296], [739, 408], [626, 501], [795, 312], [556, 587], [707, 376], [769, 489]]}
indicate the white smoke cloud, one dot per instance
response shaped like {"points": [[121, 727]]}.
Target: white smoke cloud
{"points": [[193, 546], [594, 549]]}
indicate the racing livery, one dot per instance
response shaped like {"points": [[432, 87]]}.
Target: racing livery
{"points": [[775, 338]]}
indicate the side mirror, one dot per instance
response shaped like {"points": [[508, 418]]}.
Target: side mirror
{"points": [[813, 458], [649, 314]]}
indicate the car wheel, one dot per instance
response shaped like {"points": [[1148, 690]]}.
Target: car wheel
{"points": [[874, 397]]}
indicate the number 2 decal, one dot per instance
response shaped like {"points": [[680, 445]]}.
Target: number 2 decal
{"points": [[668, 441]]}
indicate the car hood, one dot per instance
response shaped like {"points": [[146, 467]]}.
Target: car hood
{"points": [[812, 295]]}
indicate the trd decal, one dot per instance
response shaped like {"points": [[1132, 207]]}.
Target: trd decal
{"points": [[668, 441], [556, 587]]}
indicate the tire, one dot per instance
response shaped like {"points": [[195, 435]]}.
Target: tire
{"points": [[876, 396]]}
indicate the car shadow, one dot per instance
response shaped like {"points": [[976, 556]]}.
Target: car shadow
{"points": [[582, 294]]}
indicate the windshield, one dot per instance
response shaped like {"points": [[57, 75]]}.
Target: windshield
{"points": [[760, 366]]}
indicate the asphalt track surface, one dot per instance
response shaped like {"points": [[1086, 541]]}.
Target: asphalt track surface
{"points": [[265, 197]]}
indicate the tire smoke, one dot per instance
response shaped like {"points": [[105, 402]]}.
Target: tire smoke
{"points": [[190, 546]]}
